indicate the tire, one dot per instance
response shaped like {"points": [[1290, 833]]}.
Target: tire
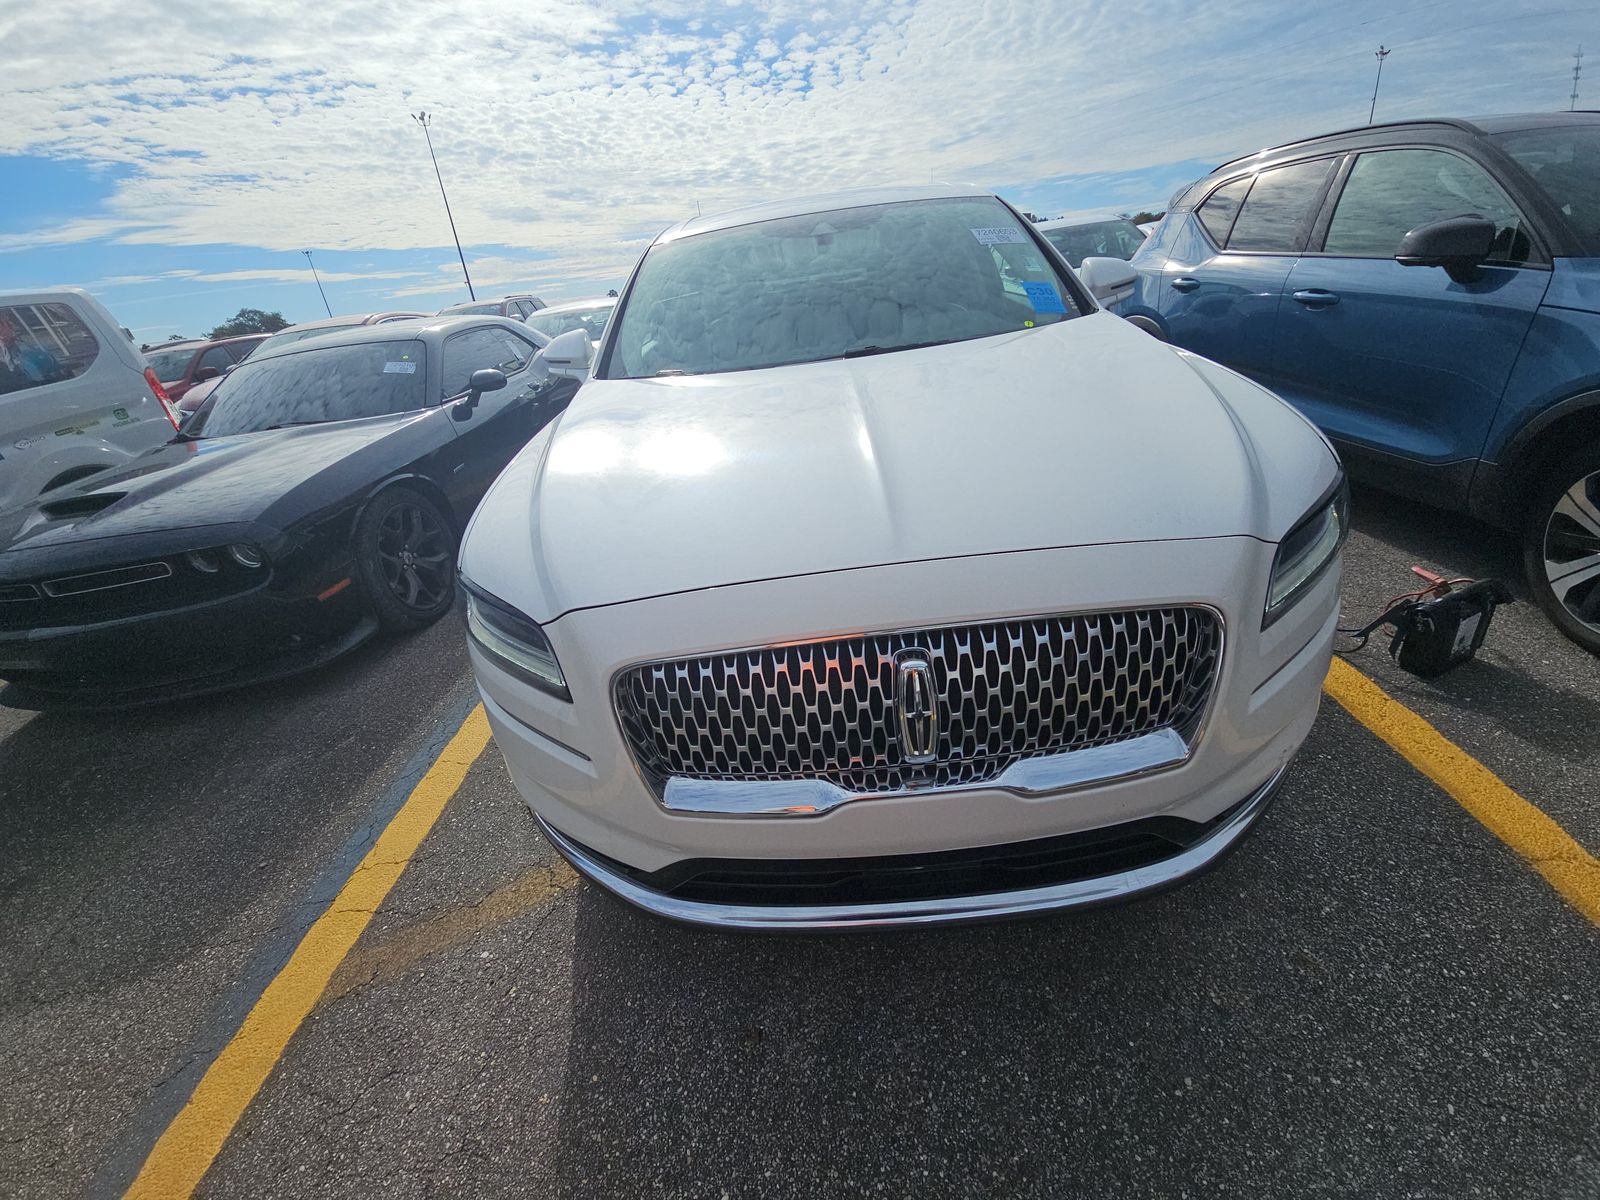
{"points": [[405, 559], [1561, 546]]}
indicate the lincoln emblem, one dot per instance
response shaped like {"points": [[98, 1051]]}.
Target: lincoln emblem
{"points": [[917, 706]]}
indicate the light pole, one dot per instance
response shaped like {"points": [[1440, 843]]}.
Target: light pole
{"points": [[1382, 54], [423, 119], [318, 278]]}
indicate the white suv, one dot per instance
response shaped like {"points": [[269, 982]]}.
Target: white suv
{"points": [[75, 393]]}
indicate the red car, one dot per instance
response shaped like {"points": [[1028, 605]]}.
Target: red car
{"points": [[181, 365]]}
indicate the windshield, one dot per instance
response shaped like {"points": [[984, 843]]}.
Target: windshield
{"points": [[488, 310], [1565, 162], [332, 383], [170, 364], [1104, 239], [554, 324], [831, 284]]}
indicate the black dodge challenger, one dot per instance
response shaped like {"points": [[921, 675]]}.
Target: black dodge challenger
{"points": [[316, 499]]}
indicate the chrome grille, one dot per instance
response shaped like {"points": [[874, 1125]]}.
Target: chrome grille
{"points": [[1007, 691]]}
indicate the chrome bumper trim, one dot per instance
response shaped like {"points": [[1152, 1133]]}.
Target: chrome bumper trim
{"points": [[953, 910], [1158, 751]]}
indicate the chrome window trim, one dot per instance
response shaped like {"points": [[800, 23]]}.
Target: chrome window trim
{"points": [[1150, 758]]}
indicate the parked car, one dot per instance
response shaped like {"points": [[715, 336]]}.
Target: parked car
{"points": [[1429, 293], [318, 500], [75, 394], [1077, 239], [182, 365], [518, 308], [857, 589], [590, 315], [199, 392]]}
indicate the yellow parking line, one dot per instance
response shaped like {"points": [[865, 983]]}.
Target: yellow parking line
{"points": [[1547, 847], [185, 1151]]}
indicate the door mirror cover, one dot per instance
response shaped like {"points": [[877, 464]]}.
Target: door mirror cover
{"points": [[570, 354], [205, 373], [484, 379], [1458, 244], [1109, 280]]}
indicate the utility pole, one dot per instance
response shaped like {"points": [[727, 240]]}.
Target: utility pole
{"points": [[423, 119], [318, 278], [1577, 70], [1382, 54]]}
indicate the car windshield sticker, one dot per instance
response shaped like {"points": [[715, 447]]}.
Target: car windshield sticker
{"points": [[1000, 235], [399, 368], [1044, 297]]}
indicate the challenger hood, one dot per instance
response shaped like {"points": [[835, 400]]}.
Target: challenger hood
{"points": [[221, 481], [1085, 432]]}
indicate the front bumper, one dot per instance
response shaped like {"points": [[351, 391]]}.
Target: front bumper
{"points": [[572, 766], [1088, 892], [177, 653]]}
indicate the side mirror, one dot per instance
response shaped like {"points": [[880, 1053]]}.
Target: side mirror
{"points": [[205, 373], [1109, 280], [570, 354], [484, 379], [1458, 244]]}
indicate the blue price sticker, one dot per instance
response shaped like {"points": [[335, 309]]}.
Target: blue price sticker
{"points": [[1044, 297]]}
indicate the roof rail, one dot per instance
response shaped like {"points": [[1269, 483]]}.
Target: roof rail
{"points": [[1466, 126]]}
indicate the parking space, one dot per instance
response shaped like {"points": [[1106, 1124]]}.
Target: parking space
{"points": [[1375, 996]]}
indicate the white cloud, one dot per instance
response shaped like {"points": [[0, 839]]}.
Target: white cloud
{"points": [[571, 133]]}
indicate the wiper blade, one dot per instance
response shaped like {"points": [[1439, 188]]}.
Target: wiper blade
{"points": [[866, 351], [294, 424]]}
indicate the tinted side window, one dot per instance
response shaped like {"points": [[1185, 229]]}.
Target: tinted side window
{"points": [[1218, 212], [1391, 192], [1278, 207], [42, 343], [217, 357], [478, 348], [242, 350]]}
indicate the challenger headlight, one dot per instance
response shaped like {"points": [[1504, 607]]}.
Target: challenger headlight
{"points": [[514, 641], [1306, 551]]}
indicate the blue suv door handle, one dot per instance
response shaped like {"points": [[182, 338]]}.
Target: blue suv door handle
{"points": [[1317, 298], [1185, 283]]}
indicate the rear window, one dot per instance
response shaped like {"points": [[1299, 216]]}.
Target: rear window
{"points": [[170, 365], [42, 343], [310, 386], [1097, 239], [554, 324], [1221, 207], [838, 284]]}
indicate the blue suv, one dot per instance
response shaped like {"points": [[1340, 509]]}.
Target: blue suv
{"points": [[1428, 292]]}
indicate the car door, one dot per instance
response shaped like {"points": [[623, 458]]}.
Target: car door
{"points": [[1223, 276], [1404, 360], [490, 431]]}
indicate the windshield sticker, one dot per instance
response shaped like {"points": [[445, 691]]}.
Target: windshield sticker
{"points": [[1000, 235], [399, 368], [1044, 297]]}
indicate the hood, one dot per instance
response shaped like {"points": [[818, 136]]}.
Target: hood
{"points": [[214, 481], [1088, 431]]}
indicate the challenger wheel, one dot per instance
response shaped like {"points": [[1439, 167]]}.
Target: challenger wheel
{"points": [[406, 559], [1561, 547]]}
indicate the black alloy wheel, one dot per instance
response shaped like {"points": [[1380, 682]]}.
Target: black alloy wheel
{"points": [[407, 559], [1561, 547]]}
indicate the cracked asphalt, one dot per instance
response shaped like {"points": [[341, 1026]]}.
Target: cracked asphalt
{"points": [[1373, 997]]}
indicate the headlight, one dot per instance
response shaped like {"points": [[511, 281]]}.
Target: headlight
{"points": [[1306, 551], [513, 641]]}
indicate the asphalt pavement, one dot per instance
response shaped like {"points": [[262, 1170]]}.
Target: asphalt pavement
{"points": [[1373, 997]]}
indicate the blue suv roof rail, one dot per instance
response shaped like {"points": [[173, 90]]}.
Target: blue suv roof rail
{"points": [[1453, 122]]}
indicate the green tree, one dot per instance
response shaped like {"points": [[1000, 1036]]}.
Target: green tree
{"points": [[1145, 217], [250, 320]]}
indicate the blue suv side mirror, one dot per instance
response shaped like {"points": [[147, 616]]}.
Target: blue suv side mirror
{"points": [[1458, 244]]}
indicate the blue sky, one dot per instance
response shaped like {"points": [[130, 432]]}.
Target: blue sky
{"points": [[147, 156]]}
